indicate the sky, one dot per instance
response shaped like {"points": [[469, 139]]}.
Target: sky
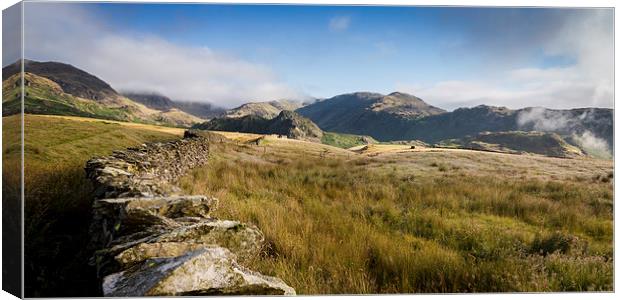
{"points": [[232, 54]]}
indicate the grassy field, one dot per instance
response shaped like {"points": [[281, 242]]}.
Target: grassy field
{"points": [[395, 219], [386, 219], [58, 201]]}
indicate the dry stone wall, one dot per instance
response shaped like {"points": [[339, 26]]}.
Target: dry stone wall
{"points": [[152, 240]]}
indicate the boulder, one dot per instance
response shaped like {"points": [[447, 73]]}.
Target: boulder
{"points": [[241, 239], [123, 216], [207, 271]]}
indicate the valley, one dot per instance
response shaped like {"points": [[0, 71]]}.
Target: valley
{"points": [[272, 149], [347, 120], [359, 193], [390, 219], [377, 218]]}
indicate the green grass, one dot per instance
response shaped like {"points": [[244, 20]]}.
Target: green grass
{"points": [[58, 196], [362, 225], [343, 140], [41, 99]]}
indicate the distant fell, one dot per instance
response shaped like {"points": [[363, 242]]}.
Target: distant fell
{"points": [[400, 116], [72, 80], [286, 123], [592, 126], [61, 89], [517, 142], [384, 117], [267, 110], [163, 103]]}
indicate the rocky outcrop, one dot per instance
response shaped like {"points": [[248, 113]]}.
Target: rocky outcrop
{"points": [[154, 241], [286, 123]]}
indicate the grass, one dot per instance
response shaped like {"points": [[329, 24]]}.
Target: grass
{"points": [[339, 222], [58, 201], [417, 222]]}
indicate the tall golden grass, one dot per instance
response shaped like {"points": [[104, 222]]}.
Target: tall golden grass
{"points": [[335, 225], [338, 222]]}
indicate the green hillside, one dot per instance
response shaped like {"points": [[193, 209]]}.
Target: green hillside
{"points": [[44, 96], [53, 88], [58, 196]]}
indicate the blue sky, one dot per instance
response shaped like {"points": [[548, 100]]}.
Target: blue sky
{"points": [[230, 54]]}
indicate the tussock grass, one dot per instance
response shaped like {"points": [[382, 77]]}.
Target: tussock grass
{"points": [[57, 210], [363, 225]]}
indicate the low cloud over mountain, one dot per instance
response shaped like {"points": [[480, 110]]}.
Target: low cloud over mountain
{"points": [[134, 61]]}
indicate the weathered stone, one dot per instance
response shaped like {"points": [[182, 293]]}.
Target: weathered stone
{"points": [[147, 170], [154, 241], [144, 251], [241, 239], [169, 207], [207, 271]]}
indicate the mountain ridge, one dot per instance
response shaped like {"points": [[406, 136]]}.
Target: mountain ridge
{"points": [[62, 89], [287, 123], [71, 79], [161, 102], [517, 142], [266, 109], [588, 128], [58, 88]]}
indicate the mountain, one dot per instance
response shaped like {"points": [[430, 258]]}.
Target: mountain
{"points": [[517, 142], [383, 117], [163, 103], [292, 125], [399, 116], [287, 123], [44, 96], [461, 122], [199, 109], [62, 89], [71, 79], [592, 126], [267, 110], [151, 100]]}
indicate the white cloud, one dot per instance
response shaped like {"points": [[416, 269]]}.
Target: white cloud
{"points": [[541, 119], [130, 61], [593, 144], [586, 38], [340, 23]]}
